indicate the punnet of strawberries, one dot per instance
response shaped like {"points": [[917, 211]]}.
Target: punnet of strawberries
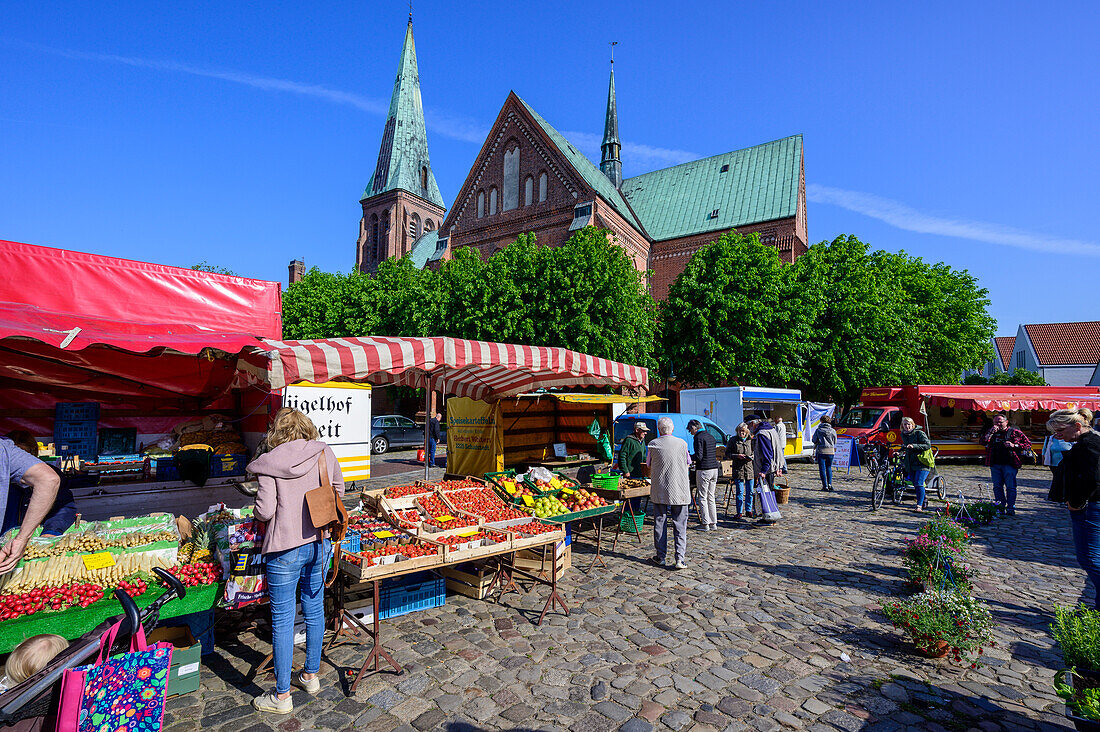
{"points": [[48, 598], [199, 573]]}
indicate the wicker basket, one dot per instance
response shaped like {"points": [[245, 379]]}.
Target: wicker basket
{"points": [[783, 492]]}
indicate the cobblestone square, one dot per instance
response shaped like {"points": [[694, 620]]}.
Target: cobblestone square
{"points": [[768, 628]]}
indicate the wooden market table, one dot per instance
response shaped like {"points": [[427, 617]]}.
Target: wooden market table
{"points": [[502, 554]]}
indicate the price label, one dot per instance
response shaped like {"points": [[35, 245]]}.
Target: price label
{"points": [[384, 534], [510, 488], [528, 501], [568, 491], [102, 560], [468, 533], [444, 519]]}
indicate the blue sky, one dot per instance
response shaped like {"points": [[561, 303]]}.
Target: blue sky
{"points": [[244, 133]]}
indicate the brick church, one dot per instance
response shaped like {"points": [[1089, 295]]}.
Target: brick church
{"points": [[529, 178]]}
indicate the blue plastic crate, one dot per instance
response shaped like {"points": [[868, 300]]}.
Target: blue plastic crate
{"points": [[419, 591], [223, 465], [167, 469], [351, 542], [65, 431], [86, 449], [76, 412]]}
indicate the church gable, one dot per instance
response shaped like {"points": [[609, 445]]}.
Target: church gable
{"points": [[519, 173]]}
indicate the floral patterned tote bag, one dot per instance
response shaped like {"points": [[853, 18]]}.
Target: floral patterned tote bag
{"points": [[121, 694]]}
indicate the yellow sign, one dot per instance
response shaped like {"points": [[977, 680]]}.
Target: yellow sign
{"points": [[510, 488], [102, 560], [475, 437], [528, 500], [469, 533], [444, 519], [383, 534], [569, 491]]}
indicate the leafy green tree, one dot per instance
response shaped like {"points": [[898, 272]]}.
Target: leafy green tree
{"points": [[205, 266], [731, 316], [1019, 377]]}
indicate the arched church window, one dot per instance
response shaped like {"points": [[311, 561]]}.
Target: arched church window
{"points": [[424, 176], [528, 191], [511, 179], [372, 237], [492, 201], [428, 226], [414, 227], [480, 204], [542, 187]]}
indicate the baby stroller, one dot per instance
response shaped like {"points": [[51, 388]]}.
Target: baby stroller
{"points": [[31, 705]]}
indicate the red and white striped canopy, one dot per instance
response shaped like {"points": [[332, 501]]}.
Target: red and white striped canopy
{"points": [[474, 369]]}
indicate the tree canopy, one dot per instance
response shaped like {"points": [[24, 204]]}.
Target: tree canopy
{"points": [[841, 318], [1018, 377], [584, 295]]}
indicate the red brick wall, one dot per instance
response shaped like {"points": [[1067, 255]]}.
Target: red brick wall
{"points": [[401, 205], [670, 258]]}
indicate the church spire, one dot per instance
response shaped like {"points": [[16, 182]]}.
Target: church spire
{"points": [[610, 165], [403, 156]]}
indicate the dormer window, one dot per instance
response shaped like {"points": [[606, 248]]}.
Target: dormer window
{"points": [[725, 168], [714, 214], [582, 216]]}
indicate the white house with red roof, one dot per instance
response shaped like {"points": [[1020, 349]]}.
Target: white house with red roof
{"points": [[1064, 354]]}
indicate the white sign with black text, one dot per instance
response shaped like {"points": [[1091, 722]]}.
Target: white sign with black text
{"points": [[342, 414]]}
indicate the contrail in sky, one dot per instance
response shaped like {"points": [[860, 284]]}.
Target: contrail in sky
{"points": [[900, 215], [441, 123]]}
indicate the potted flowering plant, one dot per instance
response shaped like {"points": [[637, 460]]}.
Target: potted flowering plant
{"points": [[947, 531], [1077, 631], [936, 562], [978, 513], [942, 623]]}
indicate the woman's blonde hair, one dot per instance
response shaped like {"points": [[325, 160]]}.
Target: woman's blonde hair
{"points": [[32, 655], [1065, 417], [290, 424], [744, 427], [909, 420]]}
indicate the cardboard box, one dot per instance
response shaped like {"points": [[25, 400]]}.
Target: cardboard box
{"points": [[183, 678]]}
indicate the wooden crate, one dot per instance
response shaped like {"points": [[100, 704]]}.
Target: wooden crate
{"points": [[471, 580], [531, 560]]}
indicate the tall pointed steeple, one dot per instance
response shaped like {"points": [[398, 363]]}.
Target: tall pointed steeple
{"points": [[610, 165], [403, 162]]}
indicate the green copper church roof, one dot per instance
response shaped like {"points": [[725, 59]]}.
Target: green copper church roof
{"points": [[424, 248], [591, 174], [759, 184], [403, 156]]}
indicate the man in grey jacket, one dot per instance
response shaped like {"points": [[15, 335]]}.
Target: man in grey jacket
{"points": [[668, 460]]}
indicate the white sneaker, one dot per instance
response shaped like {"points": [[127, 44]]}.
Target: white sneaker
{"points": [[270, 702], [310, 687], [681, 565]]}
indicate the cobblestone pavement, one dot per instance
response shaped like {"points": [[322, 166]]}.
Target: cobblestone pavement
{"points": [[769, 628]]}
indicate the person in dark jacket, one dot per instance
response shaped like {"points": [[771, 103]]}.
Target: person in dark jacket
{"points": [[824, 449], [632, 458], [739, 452], [706, 475], [1004, 446], [914, 442], [1077, 484], [435, 434]]}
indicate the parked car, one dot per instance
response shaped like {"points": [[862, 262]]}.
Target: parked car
{"points": [[624, 425], [393, 430]]}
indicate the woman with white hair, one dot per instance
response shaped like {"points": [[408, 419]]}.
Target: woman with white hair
{"points": [[1077, 484], [668, 460]]}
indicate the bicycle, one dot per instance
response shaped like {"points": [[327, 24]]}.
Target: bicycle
{"points": [[892, 477]]}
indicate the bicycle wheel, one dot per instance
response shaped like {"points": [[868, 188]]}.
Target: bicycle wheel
{"points": [[940, 486], [898, 493], [878, 491]]}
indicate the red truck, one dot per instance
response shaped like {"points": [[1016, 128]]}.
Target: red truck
{"points": [[954, 417]]}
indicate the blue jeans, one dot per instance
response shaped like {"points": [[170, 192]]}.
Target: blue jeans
{"points": [[431, 452], [1004, 477], [918, 477], [302, 567], [1086, 540], [743, 492], [825, 470]]}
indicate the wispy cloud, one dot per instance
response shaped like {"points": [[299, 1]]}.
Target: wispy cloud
{"points": [[904, 217], [646, 157], [455, 127]]}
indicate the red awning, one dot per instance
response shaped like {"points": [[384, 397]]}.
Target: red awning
{"points": [[1013, 402], [81, 326], [475, 369]]}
